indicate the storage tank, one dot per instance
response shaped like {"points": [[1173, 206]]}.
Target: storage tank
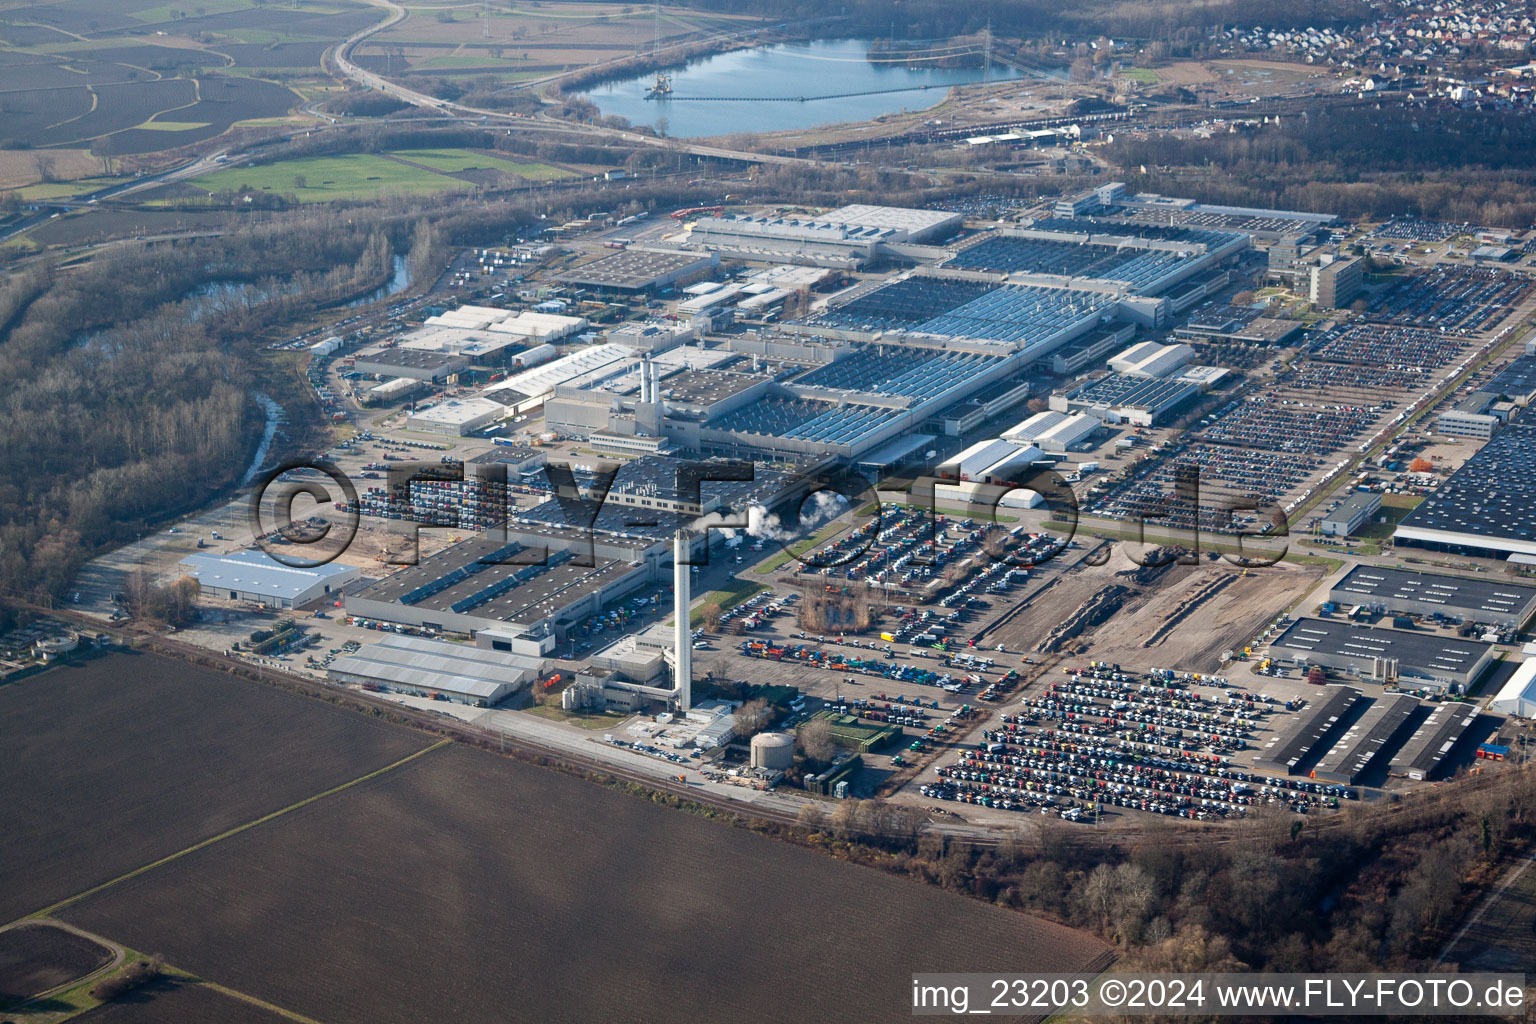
{"points": [[774, 751]]}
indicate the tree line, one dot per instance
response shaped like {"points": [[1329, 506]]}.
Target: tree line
{"points": [[1361, 161]]}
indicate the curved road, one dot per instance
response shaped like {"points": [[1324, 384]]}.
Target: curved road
{"points": [[340, 55], [119, 954]]}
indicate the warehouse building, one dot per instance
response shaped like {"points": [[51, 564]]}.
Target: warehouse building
{"points": [[528, 390], [1152, 359], [256, 577], [1089, 349], [396, 389], [415, 364], [1516, 382], [641, 270], [973, 462], [1454, 598], [1363, 744], [1140, 401], [1312, 731], [489, 582], [1488, 506], [1351, 514], [1055, 431], [1518, 694], [457, 417], [849, 237], [1426, 750], [653, 336], [1124, 259], [438, 669], [1409, 658], [532, 326]]}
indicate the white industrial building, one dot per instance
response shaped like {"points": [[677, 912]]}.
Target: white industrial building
{"points": [[974, 461], [527, 390], [395, 389], [653, 336], [1054, 431], [1152, 359], [517, 324], [255, 576], [850, 236], [1518, 695], [429, 668], [457, 417]]}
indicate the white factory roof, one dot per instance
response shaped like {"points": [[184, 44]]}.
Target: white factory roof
{"points": [[892, 218], [542, 380], [979, 456], [455, 341], [505, 321], [439, 665], [1012, 468], [1151, 359], [1518, 694], [460, 411], [393, 386], [255, 572], [1058, 428], [790, 277]]}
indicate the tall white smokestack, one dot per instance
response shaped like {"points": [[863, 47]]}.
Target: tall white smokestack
{"points": [[645, 380], [656, 382], [682, 597]]}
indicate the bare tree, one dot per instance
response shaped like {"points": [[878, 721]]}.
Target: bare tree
{"points": [[817, 741], [752, 718]]}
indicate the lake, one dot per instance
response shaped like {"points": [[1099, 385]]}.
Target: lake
{"points": [[765, 87]]}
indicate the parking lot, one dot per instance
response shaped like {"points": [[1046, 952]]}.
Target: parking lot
{"points": [[1098, 741]]}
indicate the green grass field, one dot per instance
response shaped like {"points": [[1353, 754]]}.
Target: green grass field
{"points": [[452, 161], [367, 175], [727, 597], [1145, 76], [350, 176]]}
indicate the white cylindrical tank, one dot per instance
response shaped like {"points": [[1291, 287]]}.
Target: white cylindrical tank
{"points": [[774, 751]]}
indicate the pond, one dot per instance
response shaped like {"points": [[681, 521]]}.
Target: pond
{"points": [[775, 88]]}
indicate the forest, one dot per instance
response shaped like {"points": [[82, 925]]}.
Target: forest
{"points": [[1359, 161], [1033, 19], [123, 407], [1380, 886]]}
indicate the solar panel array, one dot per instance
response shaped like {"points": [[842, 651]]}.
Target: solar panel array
{"points": [[898, 371], [809, 421], [1157, 232], [1493, 494], [460, 574], [1016, 313], [1009, 254], [515, 579], [964, 309]]}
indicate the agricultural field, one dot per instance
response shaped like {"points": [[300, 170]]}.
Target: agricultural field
{"points": [[553, 882], [368, 175], [36, 958], [116, 762], [132, 78], [182, 1001], [550, 37]]}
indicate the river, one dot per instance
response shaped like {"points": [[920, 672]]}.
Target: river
{"points": [[764, 89]]}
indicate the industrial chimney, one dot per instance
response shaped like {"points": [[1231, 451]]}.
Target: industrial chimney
{"points": [[682, 597]]}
